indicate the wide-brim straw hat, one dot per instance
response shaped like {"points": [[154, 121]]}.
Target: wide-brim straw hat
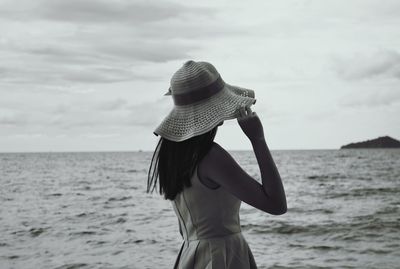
{"points": [[201, 101]]}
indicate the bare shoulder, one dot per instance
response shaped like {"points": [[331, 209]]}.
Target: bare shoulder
{"points": [[209, 163], [217, 151], [220, 167], [218, 164]]}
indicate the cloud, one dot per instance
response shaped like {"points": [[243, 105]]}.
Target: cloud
{"points": [[101, 11], [98, 50], [105, 63], [64, 89], [112, 104], [321, 115], [61, 109], [137, 12], [156, 51], [146, 114], [149, 114], [13, 118], [100, 135], [376, 98], [28, 135], [62, 75], [64, 46], [70, 43], [381, 64], [83, 116]]}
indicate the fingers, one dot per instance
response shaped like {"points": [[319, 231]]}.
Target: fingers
{"points": [[242, 112], [245, 111], [249, 112]]}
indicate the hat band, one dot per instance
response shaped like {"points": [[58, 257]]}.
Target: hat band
{"points": [[199, 94]]}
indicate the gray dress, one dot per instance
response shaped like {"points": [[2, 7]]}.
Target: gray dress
{"points": [[210, 226]]}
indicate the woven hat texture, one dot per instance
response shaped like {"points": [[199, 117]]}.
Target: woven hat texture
{"points": [[201, 101]]}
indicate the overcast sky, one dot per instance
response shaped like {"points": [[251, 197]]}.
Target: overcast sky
{"points": [[79, 75]]}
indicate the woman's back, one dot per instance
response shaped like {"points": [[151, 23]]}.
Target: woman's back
{"points": [[210, 225]]}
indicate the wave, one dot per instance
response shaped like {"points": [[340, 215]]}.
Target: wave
{"points": [[72, 266], [123, 198], [328, 176], [352, 230], [364, 192], [306, 210], [80, 233], [316, 247]]}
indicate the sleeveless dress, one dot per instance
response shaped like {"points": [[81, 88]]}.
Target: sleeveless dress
{"points": [[210, 226]]}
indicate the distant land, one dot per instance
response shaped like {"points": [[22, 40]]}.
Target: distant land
{"points": [[380, 142]]}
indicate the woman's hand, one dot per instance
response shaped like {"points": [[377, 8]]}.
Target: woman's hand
{"points": [[250, 123]]}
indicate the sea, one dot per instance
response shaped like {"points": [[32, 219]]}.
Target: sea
{"points": [[91, 210]]}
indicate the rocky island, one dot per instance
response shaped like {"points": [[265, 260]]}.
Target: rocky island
{"points": [[380, 142]]}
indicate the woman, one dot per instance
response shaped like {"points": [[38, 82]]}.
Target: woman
{"points": [[203, 182]]}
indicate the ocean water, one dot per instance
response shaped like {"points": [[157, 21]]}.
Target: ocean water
{"points": [[91, 210]]}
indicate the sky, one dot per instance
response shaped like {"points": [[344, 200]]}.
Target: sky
{"points": [[86, 75]]}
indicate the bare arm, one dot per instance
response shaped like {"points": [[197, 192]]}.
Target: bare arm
{"points": [[220, 167], [271, 179]]}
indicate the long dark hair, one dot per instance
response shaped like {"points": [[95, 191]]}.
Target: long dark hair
{"points": [[174, 163]]}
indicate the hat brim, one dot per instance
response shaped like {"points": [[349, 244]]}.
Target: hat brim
{"points": [[184, 122]]}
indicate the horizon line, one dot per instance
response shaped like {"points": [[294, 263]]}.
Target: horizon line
{"points": [[149, 151]]}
